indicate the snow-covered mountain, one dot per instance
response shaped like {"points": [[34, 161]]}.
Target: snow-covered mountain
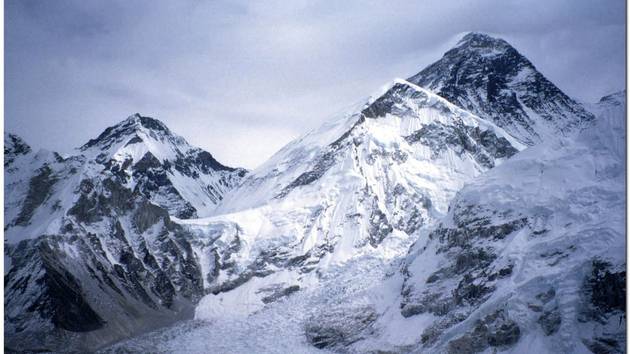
{"points": [[531, 256], [353, 193], [488, 77], [411, 224], [361, 185], [185, 180], [91, 252]]}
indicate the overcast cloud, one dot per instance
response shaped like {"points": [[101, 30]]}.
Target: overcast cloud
{"points": [[243, 78]]}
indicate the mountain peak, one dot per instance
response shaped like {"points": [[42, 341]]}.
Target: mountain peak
{"points": [[481, 39], [140, 122], [15, 143], [130, 129], [488, 77], [485, 45], [143, 152]]}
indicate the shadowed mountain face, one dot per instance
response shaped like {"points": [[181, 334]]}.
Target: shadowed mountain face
{"points": [[490, 78]]}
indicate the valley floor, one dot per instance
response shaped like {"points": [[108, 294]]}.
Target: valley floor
{"points": [[353, 293]]}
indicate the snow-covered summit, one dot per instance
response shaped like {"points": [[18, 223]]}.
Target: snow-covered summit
{"points": [[151, 135], [404, 118], [133, 123], [186, 180], [489, 77]]}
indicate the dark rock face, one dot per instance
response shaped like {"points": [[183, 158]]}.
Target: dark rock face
{"points": [[40, 188], [495, 330], [147, 215], [484, 146], [276, 293], [152, 180], [604, 302], [604, 346], [98, 199], [471, 272], [63, 300], [379, 226], [116, 266], [472, 268], [490, 78], [550, 321], [340, 327], [91, 295], [14, 147], [208, 163], [606, 288]]}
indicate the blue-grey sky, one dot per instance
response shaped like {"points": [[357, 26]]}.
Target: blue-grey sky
{"points": [[242, 78]]}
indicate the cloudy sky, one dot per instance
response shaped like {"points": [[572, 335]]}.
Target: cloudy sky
{"points": [[242, 78]]}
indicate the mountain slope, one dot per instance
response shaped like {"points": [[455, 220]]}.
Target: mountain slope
{"points": [[532, 254], [87, 261], [491, 79], [351, 182], [404, 121]]}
